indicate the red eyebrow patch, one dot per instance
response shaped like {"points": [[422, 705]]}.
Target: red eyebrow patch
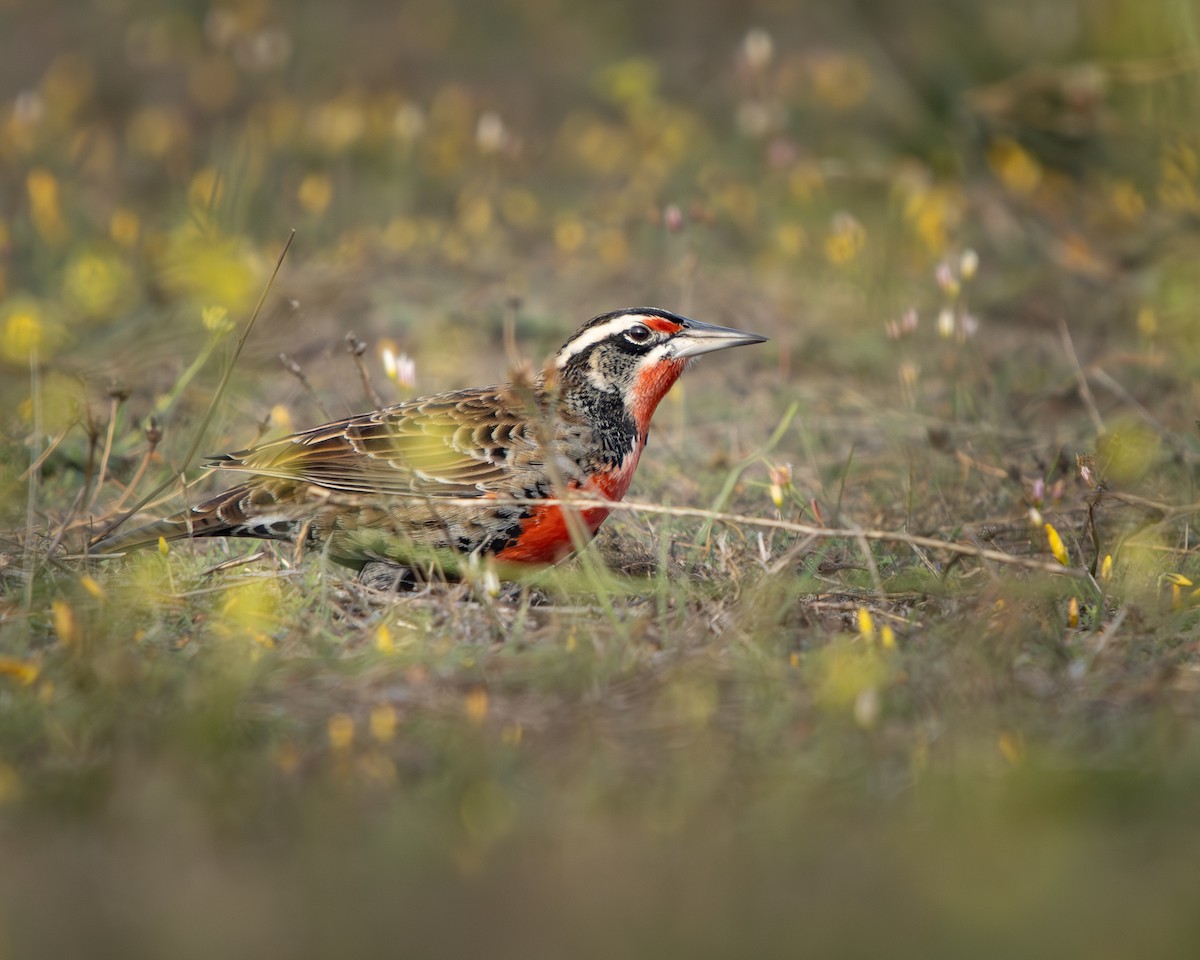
{"points": [[661, 324]]}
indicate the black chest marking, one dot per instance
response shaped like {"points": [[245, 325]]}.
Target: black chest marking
{"points": [[614, 431], [605, 428]]}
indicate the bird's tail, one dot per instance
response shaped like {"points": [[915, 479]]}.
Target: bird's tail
{"points": [[172, 528], [227, 515]]}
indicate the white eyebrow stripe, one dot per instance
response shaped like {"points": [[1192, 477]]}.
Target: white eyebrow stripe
{"points": [[594, 335]]}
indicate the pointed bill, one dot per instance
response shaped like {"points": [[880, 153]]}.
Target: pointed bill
{"points": [[697, 338]]}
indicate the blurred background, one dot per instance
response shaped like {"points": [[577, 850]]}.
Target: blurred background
{"points": [[926, 204], [799, 168]]}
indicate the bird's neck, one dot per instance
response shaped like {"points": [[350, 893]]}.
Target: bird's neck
{"points": [[649, 388], [603, 419]]}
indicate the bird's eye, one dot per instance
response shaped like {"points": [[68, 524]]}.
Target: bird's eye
{"points": [[639, 334]]}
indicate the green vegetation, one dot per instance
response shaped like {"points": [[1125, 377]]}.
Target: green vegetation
{"points": [[779, 719]]}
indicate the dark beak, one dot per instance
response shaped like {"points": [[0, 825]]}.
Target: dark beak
{"points": [[697, 338]]}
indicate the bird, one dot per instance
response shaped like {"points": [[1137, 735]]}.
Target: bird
{"points": [[479, 472]]}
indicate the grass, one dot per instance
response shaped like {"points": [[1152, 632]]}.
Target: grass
{"points": [[822, 684]]}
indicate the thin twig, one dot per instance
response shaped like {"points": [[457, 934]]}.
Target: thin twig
{"points": [[865, 547], [45, 454], [234, 562], [745, 520], [292, 367], [1085, 391], [114, 403], [356, 348]]}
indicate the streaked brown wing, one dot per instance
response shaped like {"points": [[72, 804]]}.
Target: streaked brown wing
{"points": [[451, 445]]}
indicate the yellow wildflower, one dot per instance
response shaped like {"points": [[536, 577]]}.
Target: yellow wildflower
{"points": [[44, 206], [383, 722], [1056, 545], [25, 672], [340, 730], [476, 705], [866, 623], [1016, 168], [314, 193]]}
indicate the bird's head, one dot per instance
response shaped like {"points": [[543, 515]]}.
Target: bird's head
{"points": [[639, 354]]}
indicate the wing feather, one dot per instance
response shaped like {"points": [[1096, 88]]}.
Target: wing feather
{"points": [[450, 446]]}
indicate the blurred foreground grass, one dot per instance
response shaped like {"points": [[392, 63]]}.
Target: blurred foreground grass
{"points": [[969, 229]]}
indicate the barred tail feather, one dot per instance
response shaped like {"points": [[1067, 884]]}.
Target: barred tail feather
{"points": [[238, 512], [172, 528]]}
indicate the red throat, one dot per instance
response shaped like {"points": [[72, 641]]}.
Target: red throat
{"points": [[651, 386]]}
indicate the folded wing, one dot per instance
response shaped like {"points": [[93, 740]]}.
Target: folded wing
{"points": [[450, 446]]}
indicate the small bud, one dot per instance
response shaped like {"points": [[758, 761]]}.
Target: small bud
{"points": [[781, 481], [408, 123], [1037, 492], [673, 218], [153, 432], [945, 323], [1087, 469], [968, 264], [757, 49], [490, 133], [946, 279], [1073, 613], [400, 368], [781, 153], [866, 707], [28, 107], [216, 319], [754, 118]]}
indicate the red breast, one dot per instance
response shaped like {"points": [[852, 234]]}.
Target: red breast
{"points": [[545, 535]]}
